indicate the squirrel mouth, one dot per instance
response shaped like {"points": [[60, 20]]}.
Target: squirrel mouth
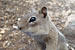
{"points": [[29, 33]]}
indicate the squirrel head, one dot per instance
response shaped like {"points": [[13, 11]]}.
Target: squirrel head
{"points": [[36, 22]]}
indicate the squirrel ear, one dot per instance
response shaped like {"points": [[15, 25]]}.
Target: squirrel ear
{"points": [[44, 11]]}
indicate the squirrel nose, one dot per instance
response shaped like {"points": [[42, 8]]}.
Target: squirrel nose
{"points": [[20, 28]]}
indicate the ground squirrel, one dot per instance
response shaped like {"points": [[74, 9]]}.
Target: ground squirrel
{"points": [[38, 25]]}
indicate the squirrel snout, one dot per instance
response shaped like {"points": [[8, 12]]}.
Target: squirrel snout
{"points": [[20, 28]]}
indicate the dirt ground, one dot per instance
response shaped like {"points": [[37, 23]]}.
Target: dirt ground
{"points": [[12, 10]]}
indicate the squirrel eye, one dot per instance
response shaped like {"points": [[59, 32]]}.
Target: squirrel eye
{"points": [[32, 19]]}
